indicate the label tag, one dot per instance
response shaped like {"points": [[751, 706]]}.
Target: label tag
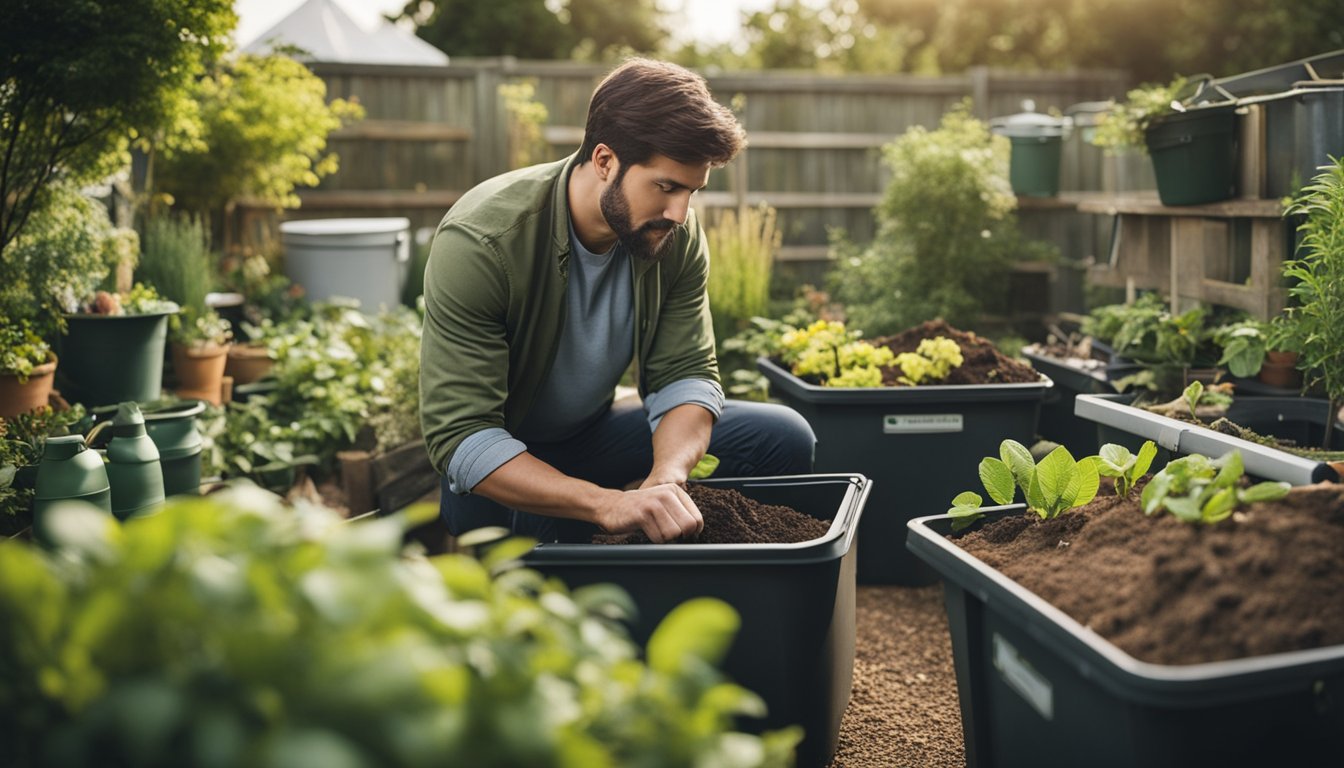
{"points": [[1018, 673], [921, 424]]}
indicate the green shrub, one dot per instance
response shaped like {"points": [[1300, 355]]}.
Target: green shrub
{"points": [[946, 233], [229, 630], [742, 251]]}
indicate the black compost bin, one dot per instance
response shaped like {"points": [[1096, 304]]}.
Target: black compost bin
{"points": [[922, 445], [1195, 154], [796, 645], [1304, 129], [1058, 423], [1039, 689]]}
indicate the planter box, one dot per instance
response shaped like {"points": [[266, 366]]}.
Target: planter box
{"points": [[916, 440], [1037, 688], [1296, 418], [1194, 155], [796, 645]]}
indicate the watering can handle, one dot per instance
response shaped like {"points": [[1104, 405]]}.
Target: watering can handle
{"points": [[93, 433]]}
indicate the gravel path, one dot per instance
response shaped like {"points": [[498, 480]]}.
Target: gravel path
{"points": [[903, 712]]}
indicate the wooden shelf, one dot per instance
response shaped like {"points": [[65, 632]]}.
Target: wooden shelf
{"points": [[1147, 204]]}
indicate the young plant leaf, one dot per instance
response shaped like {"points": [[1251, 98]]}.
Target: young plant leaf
{"points": [[1219, 506], [998, 480], [1142, 462], [1115, 460], [1263, 492], [1019, 460], [1088, 482], [1185, 508], [965, 509], [1192, 395], [1036, 497], [1054, 473], [704, 468]]}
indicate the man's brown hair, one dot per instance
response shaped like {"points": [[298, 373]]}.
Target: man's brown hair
{"points": [[647, 107]]}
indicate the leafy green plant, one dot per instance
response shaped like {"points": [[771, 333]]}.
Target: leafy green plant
{"points": [[1057, 484], [704, 467], [1123, 126], [834, 355], [1313, 323], [141, 299], [946, 232], [933, 360], [1197, 489], [1127, 468], [1244, 344], [21, 350], [230, 630]]}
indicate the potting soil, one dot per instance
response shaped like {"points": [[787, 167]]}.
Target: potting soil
{"points": [[981, 363], [1269, 579], [731, 518]]}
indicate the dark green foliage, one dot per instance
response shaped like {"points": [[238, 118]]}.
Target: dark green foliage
{"points": [[529, 29]]}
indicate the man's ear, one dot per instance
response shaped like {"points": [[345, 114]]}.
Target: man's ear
{"points": [[605, 162]]}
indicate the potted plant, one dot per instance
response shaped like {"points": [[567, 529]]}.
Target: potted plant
{"points": [[379, 657], [932, 392], [113, 347], [1129, 631], [27, 368], [199, 352]]}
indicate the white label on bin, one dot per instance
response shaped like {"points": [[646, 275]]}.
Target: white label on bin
{"points": [[1018, 673], [905, 424]]}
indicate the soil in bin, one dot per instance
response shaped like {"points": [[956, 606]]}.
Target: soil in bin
{"points": [[981, 363], [1270, 579], [731, 518]]}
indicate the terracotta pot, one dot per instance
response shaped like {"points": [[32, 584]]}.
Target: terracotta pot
{"points": [[200, 371], [1280, 370], [248, 363], [16, 397]]}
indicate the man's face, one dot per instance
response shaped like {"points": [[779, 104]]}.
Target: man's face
{"points": [[645, 202]]}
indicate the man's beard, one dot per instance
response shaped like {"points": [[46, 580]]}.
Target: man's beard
{"points": [[616, 209]]}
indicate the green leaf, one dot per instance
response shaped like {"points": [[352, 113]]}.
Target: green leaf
{"points": [[1263, 492], [1230, 470], [1115, 460], [1019, 460], [1054, 474], [507, 552], [998, 480], [1219, 506], [701, 628], [1192, 394], [1155, 493], [1147, 452], [969, 499], [1089, 480], [484, 535], [705, 467], [1185, 508], [1036, 498]]}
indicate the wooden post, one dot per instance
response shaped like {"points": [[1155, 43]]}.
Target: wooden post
{"points": [[357, 480]]}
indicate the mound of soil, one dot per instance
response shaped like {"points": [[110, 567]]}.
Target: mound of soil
{"points": [[1270, 579], [982, 363], [731, 518]]}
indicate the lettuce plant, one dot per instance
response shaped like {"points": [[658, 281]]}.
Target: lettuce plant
{"points": [[1197, 489], [1116, 461], [1057, 484], [932, 361]]}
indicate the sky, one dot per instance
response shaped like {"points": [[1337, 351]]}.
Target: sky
{"points": [[709, 21]]}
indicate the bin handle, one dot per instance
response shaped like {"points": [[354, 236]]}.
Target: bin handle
{"points": [[1174, 141], [403, 254]]}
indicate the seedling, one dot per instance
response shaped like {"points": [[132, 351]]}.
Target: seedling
{"points": [[705, 467], [1198, 489], [1116, 461], [1057, 484]]}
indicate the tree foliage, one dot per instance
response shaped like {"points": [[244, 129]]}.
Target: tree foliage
{"points": [[264, 122], [80, 78], [538, 29]]}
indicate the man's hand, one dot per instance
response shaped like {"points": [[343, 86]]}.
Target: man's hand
{"points": [[664, 512]]}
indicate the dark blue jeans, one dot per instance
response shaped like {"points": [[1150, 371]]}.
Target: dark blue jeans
{"points": [[749, 439]]}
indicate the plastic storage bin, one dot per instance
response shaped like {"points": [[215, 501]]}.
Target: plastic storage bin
{"points": [[1304, 128], [1195, 155], [364, 259], [796, 644], [1039, 689], [915, 441]]}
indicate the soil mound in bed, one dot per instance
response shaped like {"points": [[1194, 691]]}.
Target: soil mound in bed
{"points": [[1270, 579], [982, 362], [731, 518]]}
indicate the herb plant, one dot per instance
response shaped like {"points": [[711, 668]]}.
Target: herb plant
{"points": [[1243, 344], [1058, 483], [1116, 461], [933, 360], [1198, 489], [834, 355], [1313, 324], [230, 630], [21, 350], [1123, 127]]}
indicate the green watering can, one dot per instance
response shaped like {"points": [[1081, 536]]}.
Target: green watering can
{"points": [[133, 465], [69, 471]]}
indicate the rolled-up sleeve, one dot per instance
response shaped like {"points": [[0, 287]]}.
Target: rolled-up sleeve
{"points": [[702, 392], [480, 454]]}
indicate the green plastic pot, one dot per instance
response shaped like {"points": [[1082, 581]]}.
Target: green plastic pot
{"points": [[1195, 155], [109, 359], [173, 430]]}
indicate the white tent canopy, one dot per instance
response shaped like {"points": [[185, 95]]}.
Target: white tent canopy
{"points": [[325, 32]]}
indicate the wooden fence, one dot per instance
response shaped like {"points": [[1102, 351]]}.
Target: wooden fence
{"points": [[431, 133]]}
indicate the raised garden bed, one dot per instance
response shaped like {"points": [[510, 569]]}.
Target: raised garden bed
{"points": [[913, 440], [796, 601], [1107, 638]]}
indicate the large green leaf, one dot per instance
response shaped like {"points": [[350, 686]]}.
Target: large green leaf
{"points": [[701, 628], [1019, 460], [998, 480], [1147, 452], [1088, 481], [1054, 474]]}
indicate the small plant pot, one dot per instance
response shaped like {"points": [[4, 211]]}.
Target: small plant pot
{"points": [[200, 371], [20, 397], [248, 363], [795, 648], [1280, 370]]}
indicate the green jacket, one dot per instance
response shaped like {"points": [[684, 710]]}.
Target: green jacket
{"points": [[495, 304]]}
